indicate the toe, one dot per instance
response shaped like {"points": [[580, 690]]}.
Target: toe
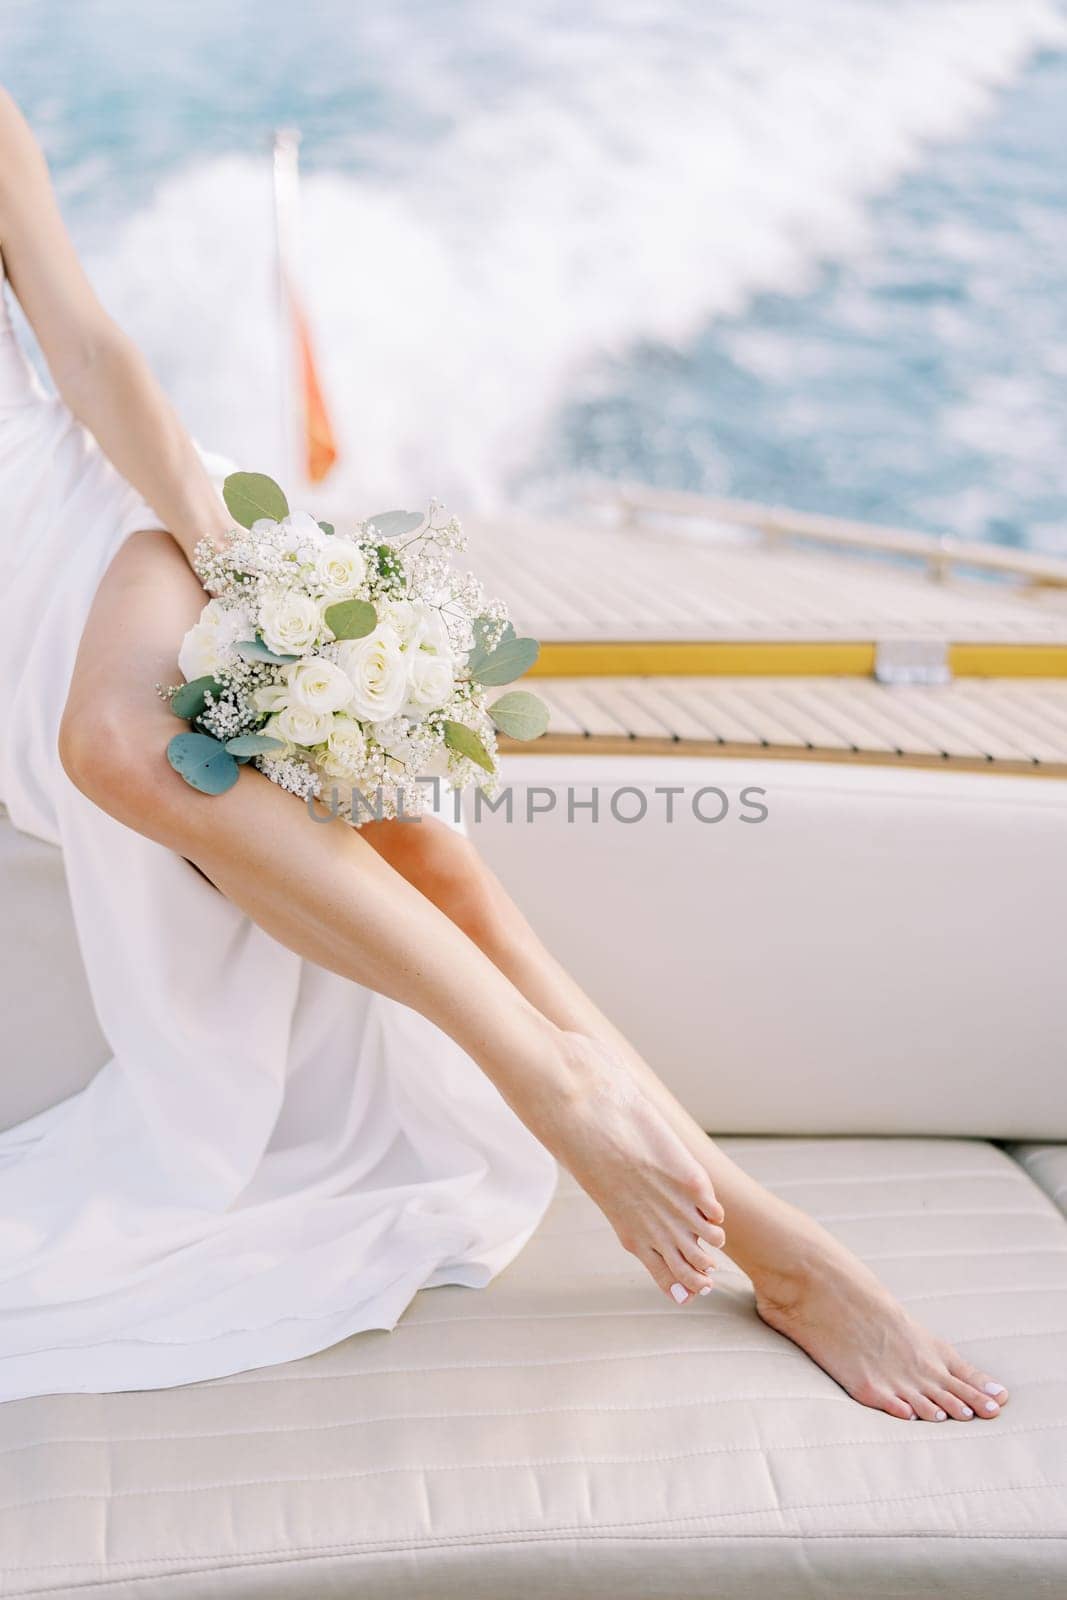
{"points": [[708, 1232], [895, 1406], [958, 1407], [667, 1280], [976, 1399], [925, 1408], [879, 1398], [693, 1279], [698, 1252], [989, 1394]]}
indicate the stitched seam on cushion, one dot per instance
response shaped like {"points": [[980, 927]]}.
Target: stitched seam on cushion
{"points": [[585, 1529], [522, 1465], [704, 1350], [966, 1255], [742, 1397], [710, 1313], [273, 1375], [945, 1435], [341, 1552], [1009, 1333], [279, 1558], [983, 1294], [928, 1217], [239, 1432], [994, 1172]]}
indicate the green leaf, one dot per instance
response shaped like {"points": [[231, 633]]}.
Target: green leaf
{"points": [[203, 762], [254, 744], [466, 743], [510, 659], [481, 651], [351, 619], [256, 650], [190, 700], [327, 527], [519, 715], [251, 495], [394, 524]]}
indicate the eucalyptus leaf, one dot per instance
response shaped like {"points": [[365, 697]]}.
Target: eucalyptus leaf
{"points": [[251, 495], [481, 651], [351, 619], [256, 650], [466, 743], [203, 762], [327, 527], [190, 701], [510, 659], [520, 715], [394, 524], [255, 744]]}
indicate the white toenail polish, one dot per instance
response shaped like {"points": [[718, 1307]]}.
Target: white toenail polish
{"points": [[967, 1412], [680, 1294], [939, 1416], [991, 1405], [994, 1388], [706, 1289]]}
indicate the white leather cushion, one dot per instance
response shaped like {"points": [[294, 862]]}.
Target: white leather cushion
{"points": [[569, 1433], [882, 954], [1047, 1165]]}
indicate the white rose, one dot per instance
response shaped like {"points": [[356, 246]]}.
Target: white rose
{"points": [[271, 697], [340, 568], [273, 731], [376, 668], [301, 536], [346, 749], [207, 645], [401, 616], [298, 725], [418, 625], [318, 685], [433, 632], [430, 681], [290, 623]]}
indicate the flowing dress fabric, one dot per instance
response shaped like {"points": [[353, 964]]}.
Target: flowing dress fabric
{"points": [[274, 1158]]}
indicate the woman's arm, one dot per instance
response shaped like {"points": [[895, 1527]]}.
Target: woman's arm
{"points": [[100, 373]]}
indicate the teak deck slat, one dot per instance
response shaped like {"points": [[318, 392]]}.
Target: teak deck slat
{"points": [[973, 725], [584, 582]]}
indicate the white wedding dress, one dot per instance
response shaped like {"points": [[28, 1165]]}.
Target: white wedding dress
{"points": [[274, 1158]]}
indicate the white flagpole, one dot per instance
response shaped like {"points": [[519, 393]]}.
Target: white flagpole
{"points": [[286, 231]]}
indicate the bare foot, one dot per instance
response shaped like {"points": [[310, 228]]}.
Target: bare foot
{"points": [[836, 1310], [653, 1191]]}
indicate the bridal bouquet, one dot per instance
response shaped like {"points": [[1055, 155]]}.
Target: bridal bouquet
{"points": [[347, 668]]}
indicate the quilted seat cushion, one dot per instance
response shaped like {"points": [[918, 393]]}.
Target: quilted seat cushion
{"points": [[569, 1433], [1047, 1165]]}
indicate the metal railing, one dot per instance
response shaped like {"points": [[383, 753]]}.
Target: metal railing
{"points": [[938, 554]]}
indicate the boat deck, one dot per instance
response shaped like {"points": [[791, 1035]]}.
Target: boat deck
{"points": [[678, 625], [976, 725]]}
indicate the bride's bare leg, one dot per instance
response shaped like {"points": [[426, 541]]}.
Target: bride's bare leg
{"points": [[324, 892], [807, 1284]]}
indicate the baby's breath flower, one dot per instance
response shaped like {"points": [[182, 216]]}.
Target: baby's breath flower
{"points": [[267, 581]]}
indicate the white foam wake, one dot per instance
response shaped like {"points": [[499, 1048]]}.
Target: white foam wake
{"points": [[620, 180]]}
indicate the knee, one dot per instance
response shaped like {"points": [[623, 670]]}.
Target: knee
{"points": [[450, 872], [109, 753]]}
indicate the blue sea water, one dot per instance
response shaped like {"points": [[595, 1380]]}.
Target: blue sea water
{"points": [[798, 250]]}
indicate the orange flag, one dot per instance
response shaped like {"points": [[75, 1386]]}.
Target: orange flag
{"points": [[320, 444]]}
